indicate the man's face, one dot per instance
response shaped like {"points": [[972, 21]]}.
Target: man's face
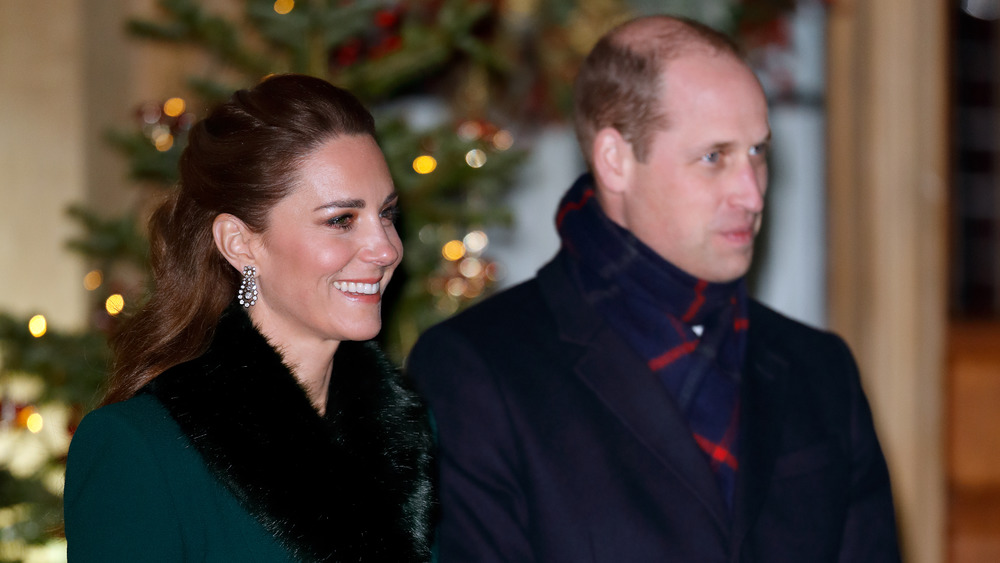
{"points": [[698, 198]]}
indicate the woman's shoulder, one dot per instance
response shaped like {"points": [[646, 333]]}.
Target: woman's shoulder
{"points": [[141, 417]]}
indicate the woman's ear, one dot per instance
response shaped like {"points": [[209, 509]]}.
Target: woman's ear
{"points": [[613, 160], [234, 240]]}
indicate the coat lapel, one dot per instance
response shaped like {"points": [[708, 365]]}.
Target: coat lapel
{"points": [[764, 385], [624, 384]]}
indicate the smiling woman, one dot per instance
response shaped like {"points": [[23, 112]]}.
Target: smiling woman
{"points": [[244, 420]]}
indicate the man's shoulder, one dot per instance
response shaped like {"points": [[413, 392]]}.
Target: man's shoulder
{"points": [[774, 329]]}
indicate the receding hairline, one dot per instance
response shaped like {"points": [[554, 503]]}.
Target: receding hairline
{"points": [[669, 37]]}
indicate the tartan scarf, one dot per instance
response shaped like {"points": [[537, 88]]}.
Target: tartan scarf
{"points": [[653, 305]]}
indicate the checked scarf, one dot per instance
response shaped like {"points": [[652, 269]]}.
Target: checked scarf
{"points": [[654, 305]]}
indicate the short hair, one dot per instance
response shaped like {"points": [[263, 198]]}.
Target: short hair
{"points": [[242, 159], [619, 84]]}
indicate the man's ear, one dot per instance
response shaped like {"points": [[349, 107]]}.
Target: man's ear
{"points": [[234, 240], [614, 160]]}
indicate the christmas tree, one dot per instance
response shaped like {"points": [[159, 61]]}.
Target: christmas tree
{"points": [[456, 86]]}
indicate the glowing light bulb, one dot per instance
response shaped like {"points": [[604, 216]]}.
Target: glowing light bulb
{"points": [[114, 304], [37, 326], [424, 164]]}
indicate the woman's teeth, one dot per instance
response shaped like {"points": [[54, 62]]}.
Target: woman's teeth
{"points": [[354, 287]]}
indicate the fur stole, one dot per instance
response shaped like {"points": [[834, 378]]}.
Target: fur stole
{"points": [[354, 485]]}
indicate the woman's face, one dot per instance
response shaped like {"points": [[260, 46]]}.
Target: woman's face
{"points": [[330, 248]]}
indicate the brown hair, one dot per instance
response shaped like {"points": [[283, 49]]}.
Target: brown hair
{"points": [[241, 159], [620, 83]]}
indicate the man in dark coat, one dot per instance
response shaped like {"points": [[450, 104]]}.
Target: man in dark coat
{"points": [[632, 403]]}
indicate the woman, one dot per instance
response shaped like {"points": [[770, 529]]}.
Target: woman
{"points": [[245, 421]]}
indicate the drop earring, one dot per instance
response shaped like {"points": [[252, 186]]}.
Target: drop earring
{"points": [[248, 288]]}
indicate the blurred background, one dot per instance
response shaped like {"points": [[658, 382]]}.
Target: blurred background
{"points": [[882, 220]]}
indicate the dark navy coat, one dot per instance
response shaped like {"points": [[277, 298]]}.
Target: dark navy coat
{"points": [[557, 444]]}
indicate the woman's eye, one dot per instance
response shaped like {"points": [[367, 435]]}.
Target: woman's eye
{"points": [[341, 221], [390, 214]]}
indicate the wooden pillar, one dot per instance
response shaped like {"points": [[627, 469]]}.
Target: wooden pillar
{"points": [[888, 143]]}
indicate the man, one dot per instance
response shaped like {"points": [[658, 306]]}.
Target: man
{"points": [[631, 403]]}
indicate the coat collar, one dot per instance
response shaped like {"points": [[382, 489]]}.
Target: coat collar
{"points": [[354, 485], [601, 357]]}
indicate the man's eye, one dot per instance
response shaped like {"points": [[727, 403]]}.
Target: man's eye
{"points": [[712, 157], [759, 150]]}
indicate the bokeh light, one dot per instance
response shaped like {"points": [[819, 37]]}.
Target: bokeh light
{"points": [[470, 131], [456, 287], [424, 164], [284, 6], [114, 304], [453, 250], [37, 326], [471, 267], [93, 280], [475, 242], [503, 140], [34, 423], [475, 158], [174, 107]]}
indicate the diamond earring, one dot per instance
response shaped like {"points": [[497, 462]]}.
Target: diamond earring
{"points": [[248, 288]]}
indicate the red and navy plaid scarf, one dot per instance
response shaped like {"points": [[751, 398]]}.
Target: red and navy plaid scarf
{"points": [[654, 305]]}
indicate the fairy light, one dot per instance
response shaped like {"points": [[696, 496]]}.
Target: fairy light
{"points": [[424, 164], [114, 304], [37, 326]]}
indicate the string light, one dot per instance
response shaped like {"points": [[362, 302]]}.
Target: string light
{"points": [[424, 164], [114, 304]]}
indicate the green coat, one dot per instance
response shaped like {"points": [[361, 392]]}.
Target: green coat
{"points": [[224, 459], [136, 490]]}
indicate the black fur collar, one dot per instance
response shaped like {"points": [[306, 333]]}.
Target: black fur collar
{"points": [[354, 485]]}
